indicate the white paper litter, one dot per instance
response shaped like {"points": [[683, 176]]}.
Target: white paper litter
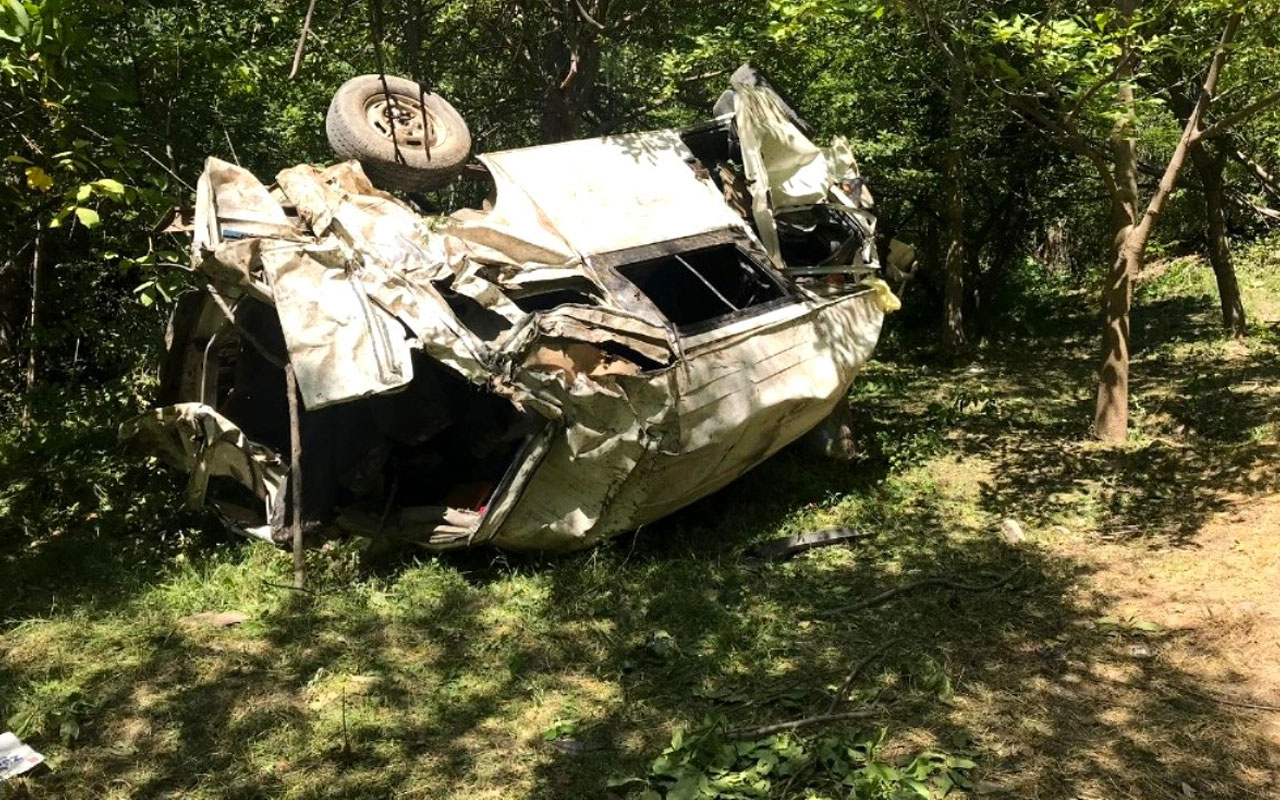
{"points": [[16, 757]]}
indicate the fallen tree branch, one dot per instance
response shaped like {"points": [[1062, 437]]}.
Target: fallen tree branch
{"points": [[1227, 701], [791, 725], [934, 580], [866, 661]]}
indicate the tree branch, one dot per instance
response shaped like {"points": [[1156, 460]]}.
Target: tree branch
{"points": [[302, 41], [587, 18], [1190, 133], [766, 730], [843, 691], [890, 594], [1072, 136], [1269, 181], [1217, 128], [1089, 93]]}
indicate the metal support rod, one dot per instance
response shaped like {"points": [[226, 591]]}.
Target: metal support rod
{"points": [[295, 478], [705, 282]]}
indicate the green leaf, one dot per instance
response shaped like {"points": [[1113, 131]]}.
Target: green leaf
{"points": [[87, 216], [18, 160], [110, 186], [687, 788], [20, 15], [83, 192]]}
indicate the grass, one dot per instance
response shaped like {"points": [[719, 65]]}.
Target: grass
{"points": [[444, 677]]}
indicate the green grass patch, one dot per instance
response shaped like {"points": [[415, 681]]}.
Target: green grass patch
{"points": [[491, 675]]}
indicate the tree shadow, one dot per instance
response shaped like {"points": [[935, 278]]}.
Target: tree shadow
{"points": [[439, 677]]}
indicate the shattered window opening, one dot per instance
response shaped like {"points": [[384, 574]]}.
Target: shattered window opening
{"points": [[706, 282], [812, 236], [698, 288]]}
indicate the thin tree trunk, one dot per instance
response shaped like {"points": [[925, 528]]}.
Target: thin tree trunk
{"points": [[1111, 414], [953, 297], [1111, 420], [1111, 411], [33, 319], [1209, 160], [302, 41], [1209, 166]]}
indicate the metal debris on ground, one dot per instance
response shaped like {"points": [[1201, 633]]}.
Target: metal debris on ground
{"points": [[787, 546]]}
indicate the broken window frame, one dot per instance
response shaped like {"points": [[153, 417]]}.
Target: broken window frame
{"points": [[746, 248], [853, 266]]}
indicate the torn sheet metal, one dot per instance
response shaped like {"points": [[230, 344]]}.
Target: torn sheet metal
{"points": [[198, 440], [607, 339], [783, 168]]}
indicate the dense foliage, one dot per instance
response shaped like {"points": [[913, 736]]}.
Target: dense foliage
{"points": [[983, 125]]}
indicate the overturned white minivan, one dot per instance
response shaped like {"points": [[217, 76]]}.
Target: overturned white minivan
{"points": [[625, 325]]}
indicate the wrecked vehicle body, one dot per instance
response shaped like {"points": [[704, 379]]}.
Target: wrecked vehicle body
{"points": [[627, 325]]}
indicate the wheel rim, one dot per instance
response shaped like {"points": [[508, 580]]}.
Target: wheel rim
{"points": [[403, 119]]}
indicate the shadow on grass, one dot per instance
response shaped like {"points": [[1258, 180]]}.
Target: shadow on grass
{"points": [[441, 686], [438, 678]]}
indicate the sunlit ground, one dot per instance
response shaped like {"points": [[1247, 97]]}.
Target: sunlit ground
{"points": [[1121, 661]]}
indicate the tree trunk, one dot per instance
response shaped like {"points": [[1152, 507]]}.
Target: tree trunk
{"points": [[570, 65], [1209, 167], [953, 337], [1210, 160], [1111, 412], [1111, 420], [33, 320]]}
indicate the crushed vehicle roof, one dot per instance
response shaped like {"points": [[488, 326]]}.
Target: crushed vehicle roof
{"points": [[626, 325], [577, 190]]}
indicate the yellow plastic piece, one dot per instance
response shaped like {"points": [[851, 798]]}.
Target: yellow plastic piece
{"points": [[887, 301]]}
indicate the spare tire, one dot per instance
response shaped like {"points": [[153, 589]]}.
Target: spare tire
{"points": [[367, 123]]}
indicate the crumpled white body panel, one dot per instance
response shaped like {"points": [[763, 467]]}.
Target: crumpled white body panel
{"points": [[358, 281]]}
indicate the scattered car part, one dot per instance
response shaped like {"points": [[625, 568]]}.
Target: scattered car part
{"points": [[788, 546], [621, 329], [407, 139]]}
